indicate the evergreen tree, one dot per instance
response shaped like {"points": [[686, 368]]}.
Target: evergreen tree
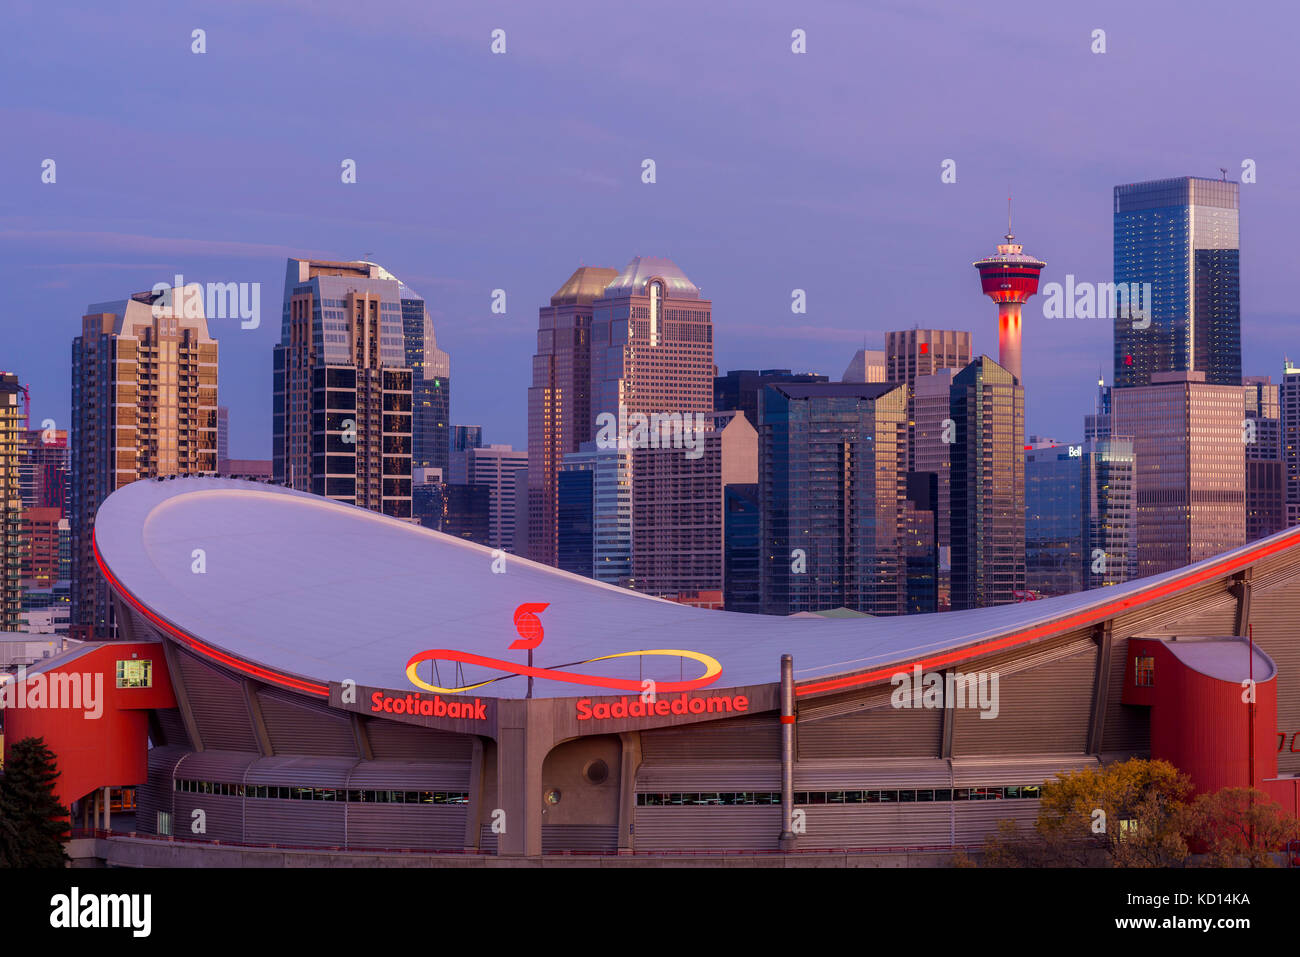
{"points": [[33, 824]]}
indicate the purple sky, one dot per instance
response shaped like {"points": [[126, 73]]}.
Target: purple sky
{"points": [[775, 171]]}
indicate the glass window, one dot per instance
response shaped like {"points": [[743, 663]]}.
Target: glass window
{"points": [[1146, 671], [135, 673]]}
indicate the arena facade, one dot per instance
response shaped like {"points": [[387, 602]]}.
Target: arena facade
{"points": [[322, 676]]}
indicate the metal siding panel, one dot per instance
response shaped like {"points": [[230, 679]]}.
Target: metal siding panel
{"points": [[976, 821], [734, 739], [1000, 772], [218, 704], [487, 840], [312, 823], [432, 827], [712, 776], [409, 776], [398, 741], [583, 838], [882, 732], [223, 817], [297, 727], [173, 728], [227, 767], [1042, 710], [1274, 614], [1128, 726], [756, 827], [299, 771], [842, 776], [829, 827], [156, 793]]}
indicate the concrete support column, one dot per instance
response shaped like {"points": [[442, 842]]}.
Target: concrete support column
{"points": [[108, 811], [629, 764], [522, 746]]}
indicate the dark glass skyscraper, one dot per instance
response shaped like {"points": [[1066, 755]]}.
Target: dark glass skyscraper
{"points": [[430, 385], [832, 483], [1182, 236], [988, 487], [1053, 519]]}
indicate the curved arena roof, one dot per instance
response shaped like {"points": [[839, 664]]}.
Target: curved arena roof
{"points": [[301, 590]]}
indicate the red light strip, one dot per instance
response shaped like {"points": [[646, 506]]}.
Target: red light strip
{"points": [[1081, 618], [204, 649]]}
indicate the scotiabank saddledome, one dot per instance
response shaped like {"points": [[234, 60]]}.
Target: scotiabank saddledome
{"points": [[343, 679]]}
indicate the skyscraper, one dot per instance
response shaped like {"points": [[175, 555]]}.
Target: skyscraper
{"points": [[463, 438], [1181, 236], [912, 354], [739, 390], [651, 342], [342, 421], [1053, 518], [11, 503], [611, 511], [987, 527], [1109, 512], [430, 383], [1289, 412], [495, 467], [677, 507], [930, 443], [1009, 278], [559, 399], [223, 437], [867, 365], [833, 482], [1190, 467], [1265, 468], [144, 404], [45, 469]]}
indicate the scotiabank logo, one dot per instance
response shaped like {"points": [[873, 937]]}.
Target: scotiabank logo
{"points": [[640, 708], [430, 708], [529, 627]]}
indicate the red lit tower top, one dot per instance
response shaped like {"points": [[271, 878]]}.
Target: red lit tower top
{"points": [[1009, 279]]}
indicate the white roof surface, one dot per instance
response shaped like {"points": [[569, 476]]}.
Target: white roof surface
{"points": [[329, 592]]}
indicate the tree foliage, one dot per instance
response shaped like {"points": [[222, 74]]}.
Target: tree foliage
{"points": [[33, 824], [1239, 827]]}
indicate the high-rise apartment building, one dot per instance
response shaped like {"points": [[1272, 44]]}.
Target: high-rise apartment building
{"points": [[494, 467], [678, 507], [1109, 512], [833, 482], [559, 400], [342, 412], [987, 525], [1181, 236], [45, 469], [144, 404], [1190, 467], [1289, 440], [223, 437], [40, 546], [11, 502]]}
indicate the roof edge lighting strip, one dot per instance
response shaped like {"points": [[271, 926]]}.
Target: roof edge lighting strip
{"points": [[1088, 617], [189, 641]]}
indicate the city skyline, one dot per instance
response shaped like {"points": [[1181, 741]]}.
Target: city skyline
{"points": [[490, 196]]}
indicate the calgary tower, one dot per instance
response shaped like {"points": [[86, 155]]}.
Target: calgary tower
{"points": [[1009, 279]]}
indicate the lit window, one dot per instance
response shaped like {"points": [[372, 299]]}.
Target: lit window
{"points": [[136, 673], [1146, 671]]}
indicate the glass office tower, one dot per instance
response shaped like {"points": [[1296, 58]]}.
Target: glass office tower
{"points": [[1182, 236], [1053, 520]]}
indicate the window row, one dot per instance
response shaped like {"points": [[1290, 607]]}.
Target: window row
{"points": [[890, 796], [279, 792]]}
